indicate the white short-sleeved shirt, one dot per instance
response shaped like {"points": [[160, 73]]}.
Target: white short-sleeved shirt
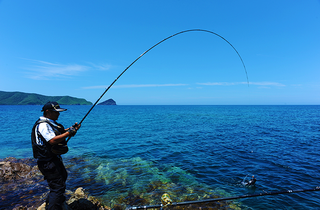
{"points": [[45, 130]]}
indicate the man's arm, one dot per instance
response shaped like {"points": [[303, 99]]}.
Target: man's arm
{"points": [[59, 138]]}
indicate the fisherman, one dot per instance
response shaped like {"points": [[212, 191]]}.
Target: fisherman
{"points": [[48, 143]]}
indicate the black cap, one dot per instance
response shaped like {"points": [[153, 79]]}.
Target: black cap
{"points": [[53, 106]]}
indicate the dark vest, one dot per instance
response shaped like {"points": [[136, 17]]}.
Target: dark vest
{"points": [[43, 152]]}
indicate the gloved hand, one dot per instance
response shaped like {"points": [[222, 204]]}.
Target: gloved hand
{"points": [[72, 131], [76, 126]]}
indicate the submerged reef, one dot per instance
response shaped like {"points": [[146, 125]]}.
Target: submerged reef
{"points": [[105, 184]]}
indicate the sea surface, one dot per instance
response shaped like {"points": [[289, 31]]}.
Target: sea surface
{"points": [[133, 154]]}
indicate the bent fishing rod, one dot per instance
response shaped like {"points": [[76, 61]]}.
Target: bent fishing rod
{"points": [[173, 204], [181, 32]]}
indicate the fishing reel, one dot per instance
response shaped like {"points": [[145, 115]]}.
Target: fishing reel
{"points": [[166, 200], [60, 149]]}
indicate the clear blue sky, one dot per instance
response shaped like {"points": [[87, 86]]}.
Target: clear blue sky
{"points": [[78, 48]]}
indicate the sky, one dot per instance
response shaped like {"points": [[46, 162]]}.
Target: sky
{"points": [[78, 48]]}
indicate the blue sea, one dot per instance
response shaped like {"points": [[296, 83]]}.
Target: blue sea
{"points": [[137, 153]]}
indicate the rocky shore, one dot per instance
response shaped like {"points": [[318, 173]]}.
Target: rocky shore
{"points": [[100, 185], [23, 188]]}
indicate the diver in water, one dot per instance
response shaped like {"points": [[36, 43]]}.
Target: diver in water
{"points": [[250, 182]]}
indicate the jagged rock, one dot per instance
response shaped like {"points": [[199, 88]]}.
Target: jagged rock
{"points": [[81, 201], [16, 177], [12, 170], [20, 208], [64, 207], [42, 207]]}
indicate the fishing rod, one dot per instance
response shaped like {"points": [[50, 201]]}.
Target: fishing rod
{"points": [[222, 199], [181, 32]]}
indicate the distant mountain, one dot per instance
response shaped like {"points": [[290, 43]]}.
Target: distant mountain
{"points": [[108, 102], [20, 98]]}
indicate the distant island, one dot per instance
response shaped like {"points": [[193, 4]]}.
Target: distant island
{"points": [[108, 102], [20, 98]]}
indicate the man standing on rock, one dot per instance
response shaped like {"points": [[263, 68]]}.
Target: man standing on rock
{"points": [[48, 143]]}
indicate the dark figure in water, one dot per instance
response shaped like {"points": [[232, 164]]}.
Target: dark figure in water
{"points": [[250, 182]]}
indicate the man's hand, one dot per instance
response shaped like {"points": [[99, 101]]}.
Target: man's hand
{"points": [[73, 129], [70, 132], [76, 126]]}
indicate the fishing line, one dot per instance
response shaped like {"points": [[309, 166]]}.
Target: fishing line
{"points": [[224, 199], [181, 32]]}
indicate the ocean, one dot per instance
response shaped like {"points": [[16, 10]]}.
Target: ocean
{"points": [[134, 154]]}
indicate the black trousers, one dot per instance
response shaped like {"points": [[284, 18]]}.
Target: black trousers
{"points": [[56, 175]]}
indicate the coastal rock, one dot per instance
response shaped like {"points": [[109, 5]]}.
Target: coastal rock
{"points": [[13, 170], [81, 201], [21, 178]]}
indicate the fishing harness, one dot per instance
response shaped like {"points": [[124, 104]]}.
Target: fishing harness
{"points": [[46, 151]]}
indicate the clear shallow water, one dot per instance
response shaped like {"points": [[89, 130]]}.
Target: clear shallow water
{"points": [[192, 152]]}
